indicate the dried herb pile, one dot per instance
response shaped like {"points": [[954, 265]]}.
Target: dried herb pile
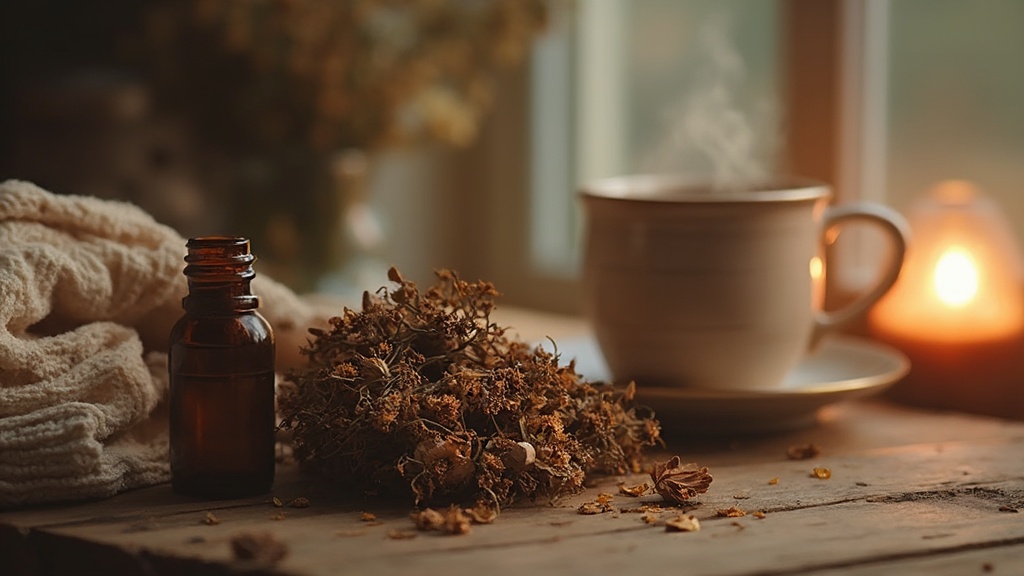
{"points": [[421, 394]]}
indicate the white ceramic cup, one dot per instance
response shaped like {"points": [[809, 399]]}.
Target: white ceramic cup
{"points": [[686, 286]]}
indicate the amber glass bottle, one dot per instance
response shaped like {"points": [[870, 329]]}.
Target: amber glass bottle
{"points": [[221, 363]]}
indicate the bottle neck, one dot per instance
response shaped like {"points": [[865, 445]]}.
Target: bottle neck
{"points": [[219, 271]]}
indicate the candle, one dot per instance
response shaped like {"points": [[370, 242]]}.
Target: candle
{"points": [[957, 310]]}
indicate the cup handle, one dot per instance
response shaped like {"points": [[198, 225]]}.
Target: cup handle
{"points": [[896, 229]]}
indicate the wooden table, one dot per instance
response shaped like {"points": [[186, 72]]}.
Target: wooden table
{"points": [[910, 492]]}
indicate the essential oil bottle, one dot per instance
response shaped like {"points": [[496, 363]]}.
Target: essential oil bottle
{"points": [[221, 363]]}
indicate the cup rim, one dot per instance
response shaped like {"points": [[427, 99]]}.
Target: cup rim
{"points": [[648, 188]]}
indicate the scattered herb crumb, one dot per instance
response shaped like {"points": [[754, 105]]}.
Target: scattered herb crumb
{"points": [[738, 525], [803, 451], [773, 481], [655, 508], [741, 496], [451, 521], [401, 534], [300, 502], [634, 491], [368, 517], [649, 518], [759, 514], [211, 519], [821, 473], [279, 516], [277, 502], [591, 508], [263, 547], [731, 512], [683, 523], [677, 482], [482, 513], [350, 533], [862, 484], [1007, 509]]}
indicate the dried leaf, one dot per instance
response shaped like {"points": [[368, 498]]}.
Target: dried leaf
{"points": [[803, 451], [683, 523], [211, 519], [604, 498], [277, 502], [677, 482], [262, 547], [822, 473]]}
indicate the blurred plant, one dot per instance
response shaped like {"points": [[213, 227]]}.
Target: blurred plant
{"points": [[332, 74]]}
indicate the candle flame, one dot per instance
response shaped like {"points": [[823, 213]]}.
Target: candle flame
{"points": [[956, 277]]}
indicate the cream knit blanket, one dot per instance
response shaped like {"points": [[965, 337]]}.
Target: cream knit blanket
{"points": [[89, 290]]}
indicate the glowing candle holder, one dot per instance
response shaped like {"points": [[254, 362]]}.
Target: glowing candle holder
{"points": [[958, 308]]}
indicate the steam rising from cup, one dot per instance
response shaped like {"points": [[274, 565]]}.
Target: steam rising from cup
{"points": [[709, 135]]}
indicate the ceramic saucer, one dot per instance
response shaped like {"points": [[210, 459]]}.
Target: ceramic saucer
{"points": [[842, 368]]}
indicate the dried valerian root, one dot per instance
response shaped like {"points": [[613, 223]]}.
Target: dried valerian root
{"points": [[261, 547], [677, 482], [420, 393]]}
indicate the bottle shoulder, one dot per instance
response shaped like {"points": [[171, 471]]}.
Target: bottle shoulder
{"points": [[227, 329]]}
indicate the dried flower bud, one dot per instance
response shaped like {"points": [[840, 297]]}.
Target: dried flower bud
{"points": [[677, 482]]}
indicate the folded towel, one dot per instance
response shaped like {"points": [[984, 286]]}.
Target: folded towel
{"points": [[89, 291]]}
